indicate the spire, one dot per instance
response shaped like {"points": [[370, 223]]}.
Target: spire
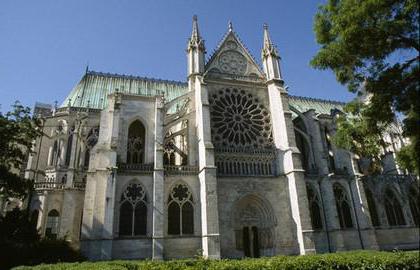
{"points": [[195, 34], [195, 40], [269, 48], [195, 50], [270, 57]]}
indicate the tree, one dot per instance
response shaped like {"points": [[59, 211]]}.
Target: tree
{"points": [[373, 46], [18, 131]]}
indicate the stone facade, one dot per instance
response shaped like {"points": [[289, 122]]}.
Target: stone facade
{"points": [[225, 165]]}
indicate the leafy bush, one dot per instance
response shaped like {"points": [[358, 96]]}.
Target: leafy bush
{"points": [[366, 260], [44, 251]]}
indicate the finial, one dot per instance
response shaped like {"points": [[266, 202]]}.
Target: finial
{"points": [[230, 26], [265, 25], [195, 18], [69, 103]]}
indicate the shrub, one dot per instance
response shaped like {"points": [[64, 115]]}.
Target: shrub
{"points": [[366, 260], [44, 251]]}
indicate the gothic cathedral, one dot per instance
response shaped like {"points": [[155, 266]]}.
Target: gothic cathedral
{"points": [[224, 165]]}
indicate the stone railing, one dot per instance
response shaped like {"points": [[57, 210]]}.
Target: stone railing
{"points": [[58, 186], [249, 162], [79, 185], [48, 185], [180, 170], [148, 168]]}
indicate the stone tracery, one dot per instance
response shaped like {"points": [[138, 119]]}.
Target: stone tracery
{"points": [[239, 120]]}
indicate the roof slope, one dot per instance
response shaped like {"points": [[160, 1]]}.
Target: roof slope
{"points": [[94, 87]]}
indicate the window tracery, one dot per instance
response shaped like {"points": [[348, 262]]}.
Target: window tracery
{"points": [[372, 207], [133, 211], [343, 207], [239, 119], [314, 208], [52, 225], [393, 209], [135, 143], [180, 211]]}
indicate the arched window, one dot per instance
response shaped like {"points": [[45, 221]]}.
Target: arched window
{"points": [[314, 208], [135, 143], [55, 154], [91, 141], [393, 209], [343, 207], [413, 199], [180, 211], [331, 161], [68, 150], [133, 211], [372, 207], [52, 227]]}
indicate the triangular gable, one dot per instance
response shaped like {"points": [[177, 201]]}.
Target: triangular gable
{"points": [[233, 60]]}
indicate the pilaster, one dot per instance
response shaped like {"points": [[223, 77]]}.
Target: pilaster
{"points": [[207, 173], [158, 185]]}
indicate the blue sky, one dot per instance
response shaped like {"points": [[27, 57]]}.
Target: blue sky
{"points": [[46, 45]]}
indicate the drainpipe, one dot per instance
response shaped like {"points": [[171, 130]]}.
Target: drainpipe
{"points": [[325, 216], [355, 215]]}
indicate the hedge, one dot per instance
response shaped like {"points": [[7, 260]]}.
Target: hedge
{"points": [[365, 260]]}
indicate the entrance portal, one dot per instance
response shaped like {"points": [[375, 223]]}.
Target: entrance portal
{"points": [[254, 224], [251, 242]]}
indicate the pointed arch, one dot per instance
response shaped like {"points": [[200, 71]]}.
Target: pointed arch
{"points": [[52, 224], [180, 210], [314, 207], [136, 142], [343, 206], [372, 207], [393, 209], [133, 210]]}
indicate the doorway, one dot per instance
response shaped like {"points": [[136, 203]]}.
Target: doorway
{"points": [[251, 242]]}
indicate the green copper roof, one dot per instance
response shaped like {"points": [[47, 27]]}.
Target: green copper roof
{"points": [[94, 87], [321, 106]]}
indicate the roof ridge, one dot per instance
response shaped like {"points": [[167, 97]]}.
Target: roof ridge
{"points": [[116, 75], [319, 99]]}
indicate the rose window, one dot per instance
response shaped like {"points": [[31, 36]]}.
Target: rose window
{"points": [[239, 120]]}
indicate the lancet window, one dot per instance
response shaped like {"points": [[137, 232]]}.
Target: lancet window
{"points": [[394, 212], [314, 207], [180, 211], [133, 211], [52, 225], [343, 207], [135, 143], [372, 207]]}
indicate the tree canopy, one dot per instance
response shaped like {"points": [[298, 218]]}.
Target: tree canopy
{"points": [[18, 131], [372, 46]]}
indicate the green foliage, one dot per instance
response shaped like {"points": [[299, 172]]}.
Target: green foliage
{"points": [[406, 159], [373, 46], [18, 131], [347, 260]]}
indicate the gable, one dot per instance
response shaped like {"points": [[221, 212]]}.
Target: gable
{"points": [[232, 60]]}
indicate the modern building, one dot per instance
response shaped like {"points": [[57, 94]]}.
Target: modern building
{"points": [[224, 165]]}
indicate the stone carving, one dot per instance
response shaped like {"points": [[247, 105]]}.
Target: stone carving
{"points": [[239, 120], [232, 62], [134, 193]]}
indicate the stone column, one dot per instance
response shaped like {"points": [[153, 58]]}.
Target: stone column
{"points": [[158, 184], [207, 174]]}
